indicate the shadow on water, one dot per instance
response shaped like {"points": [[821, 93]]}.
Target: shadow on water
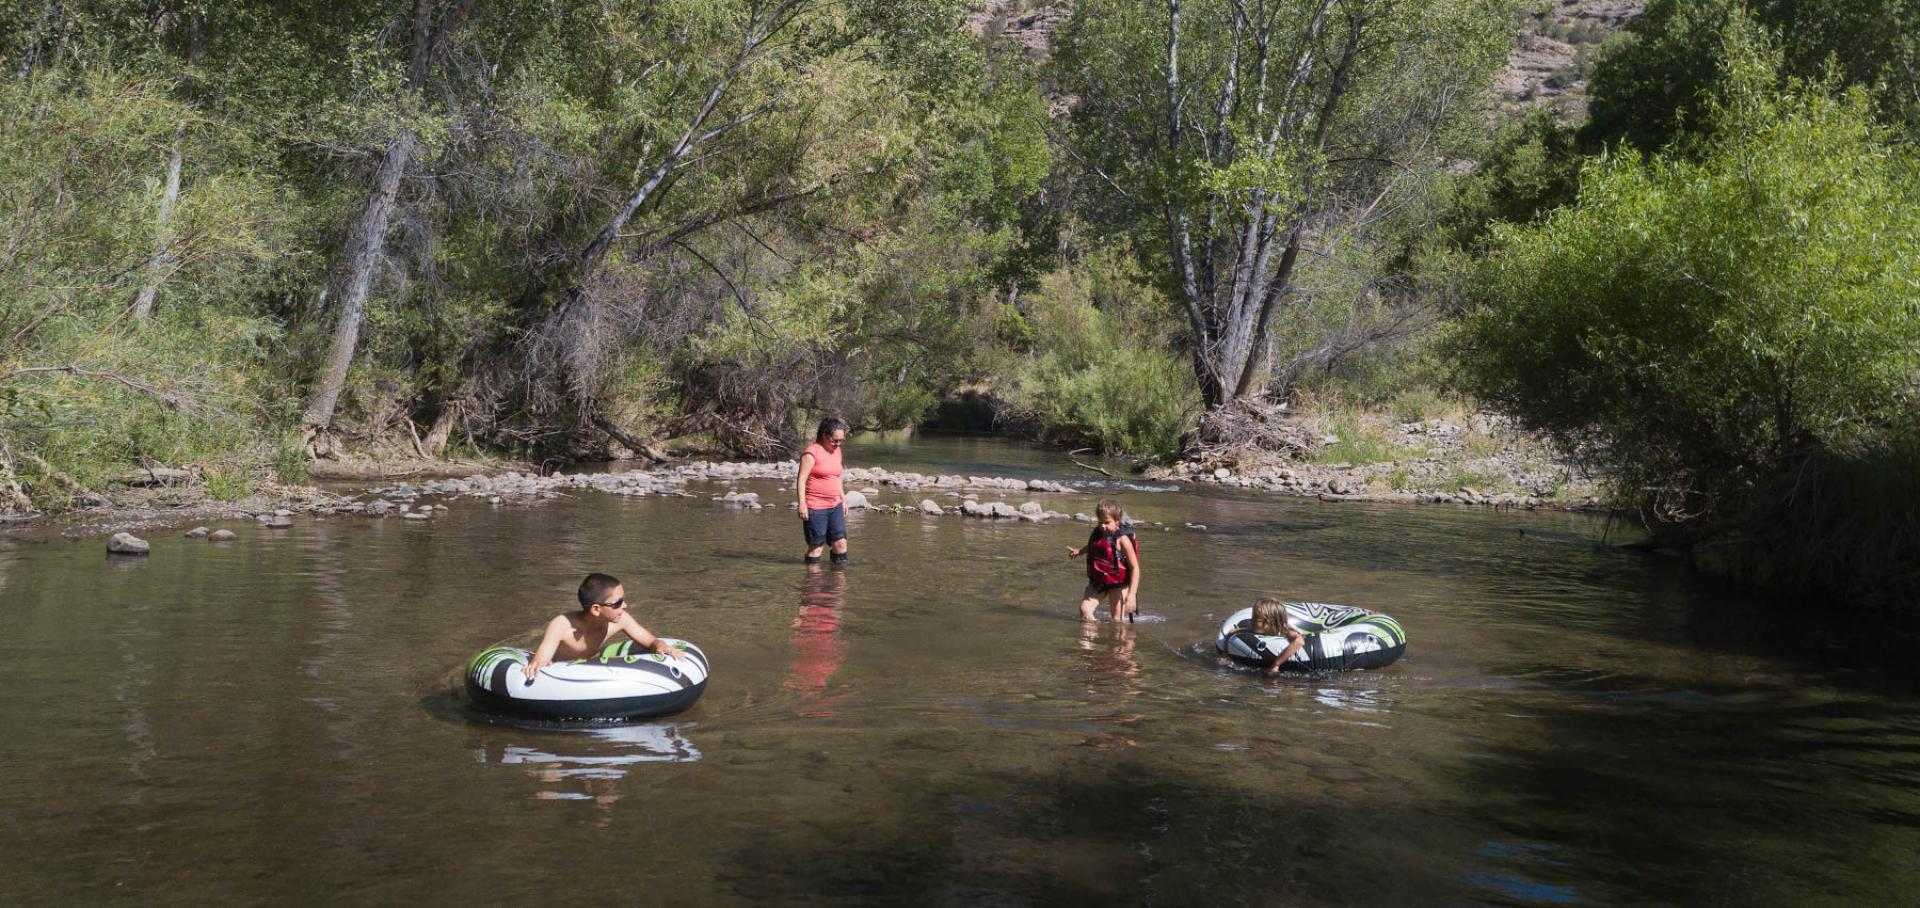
{"points": [[1574, 813], [1104, 827], [1785, 793]]}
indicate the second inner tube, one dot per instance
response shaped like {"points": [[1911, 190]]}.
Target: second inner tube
{"points": [[1339, 638]]}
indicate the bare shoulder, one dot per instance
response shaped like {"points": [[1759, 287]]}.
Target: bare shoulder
{"points": [[628, 623]]}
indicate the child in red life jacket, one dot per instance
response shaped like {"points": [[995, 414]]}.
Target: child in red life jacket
{"points": [[1113, 564]]}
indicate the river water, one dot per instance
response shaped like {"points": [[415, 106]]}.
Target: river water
{"points": [[278, 719]]}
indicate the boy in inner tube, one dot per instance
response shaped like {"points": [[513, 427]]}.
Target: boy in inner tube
{"points": [[578, 635]]}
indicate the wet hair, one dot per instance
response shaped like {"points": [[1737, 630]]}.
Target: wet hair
{"points": [[1109, 509], [594, 589], [829, 426], [1270, 618]]}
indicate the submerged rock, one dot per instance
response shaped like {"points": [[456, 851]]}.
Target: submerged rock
{"points": [[127, 544], [930, 507], [222, 536], [856, 501], [198, 532]]}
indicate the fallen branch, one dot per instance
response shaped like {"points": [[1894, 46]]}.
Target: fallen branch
{"points": [[1087, 466], [419, 450], [172, 401], [631, 442]]}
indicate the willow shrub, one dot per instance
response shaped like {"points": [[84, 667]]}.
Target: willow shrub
{"points": [[1103, 371], [1700, 324], [82, 155]]}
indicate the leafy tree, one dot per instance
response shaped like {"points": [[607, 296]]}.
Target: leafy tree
{"points": [[1650, 81], [1529, 166], [1230, 141], [1699, 323]]}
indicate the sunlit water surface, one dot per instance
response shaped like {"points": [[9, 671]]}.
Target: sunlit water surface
{"points": [[278, 719]]}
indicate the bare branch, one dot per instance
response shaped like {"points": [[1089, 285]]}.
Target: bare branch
{"points": [[174, 402]]}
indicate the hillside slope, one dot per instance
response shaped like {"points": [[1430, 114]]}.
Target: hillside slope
{"points": [[1548, 64]]}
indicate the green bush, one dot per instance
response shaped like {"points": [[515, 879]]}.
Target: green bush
{"points": [[1360, 441], [1696, 324], [290, 465], [227, 483], [80, 166], [1105, 374]]}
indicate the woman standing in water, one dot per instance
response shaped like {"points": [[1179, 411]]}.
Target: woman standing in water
{"points": [[823, 510]]}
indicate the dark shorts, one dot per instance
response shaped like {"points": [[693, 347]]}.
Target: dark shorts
{"points": [[826, 525]]}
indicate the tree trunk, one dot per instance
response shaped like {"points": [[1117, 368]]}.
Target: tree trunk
{"points": [[368, 240], [365, 245], [161, 263], [568, 324], [435, 445]]}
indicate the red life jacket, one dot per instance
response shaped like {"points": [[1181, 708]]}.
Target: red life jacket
{"points": [[1106, 564]]}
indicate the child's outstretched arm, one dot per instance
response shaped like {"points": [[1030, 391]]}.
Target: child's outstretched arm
{"points": [[1073, 552], [641, 636], [549, 644], [1295, 640]]}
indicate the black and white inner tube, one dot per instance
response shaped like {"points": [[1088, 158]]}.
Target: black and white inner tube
{"points": [[1339, 638], [623, 681]]}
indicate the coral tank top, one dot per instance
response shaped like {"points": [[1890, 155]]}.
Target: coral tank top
{"points": [[823, 484]]}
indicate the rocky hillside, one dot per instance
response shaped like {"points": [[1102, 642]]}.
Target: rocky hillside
{"points": [[1550, 61], [1025, 24], [1548, 65]]}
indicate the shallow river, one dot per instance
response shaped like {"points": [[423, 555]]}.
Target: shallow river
{"points": [[278, 719]]}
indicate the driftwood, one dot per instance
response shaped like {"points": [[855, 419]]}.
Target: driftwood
{"points": [[1248, 428], [1087, 466], [650, 449]]}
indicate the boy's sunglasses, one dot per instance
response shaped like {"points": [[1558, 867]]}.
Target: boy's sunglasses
{"points": [[617, 603]]}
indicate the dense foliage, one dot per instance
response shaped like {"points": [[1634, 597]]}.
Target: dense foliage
{"points": [[1652, 80], [1249, 152], [1701, 323], [527, 227]]}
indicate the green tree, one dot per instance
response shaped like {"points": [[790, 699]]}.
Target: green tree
{"points": [[1651, 80], [1698, 323], [1228, 141]]}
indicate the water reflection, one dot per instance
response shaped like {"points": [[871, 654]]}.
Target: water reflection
{"points": [[1109, 650], [588, 764], [816, 644]]}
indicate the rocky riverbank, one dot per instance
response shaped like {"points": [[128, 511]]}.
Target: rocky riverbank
{"points": [[1474, 462], [1471, 459]]}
